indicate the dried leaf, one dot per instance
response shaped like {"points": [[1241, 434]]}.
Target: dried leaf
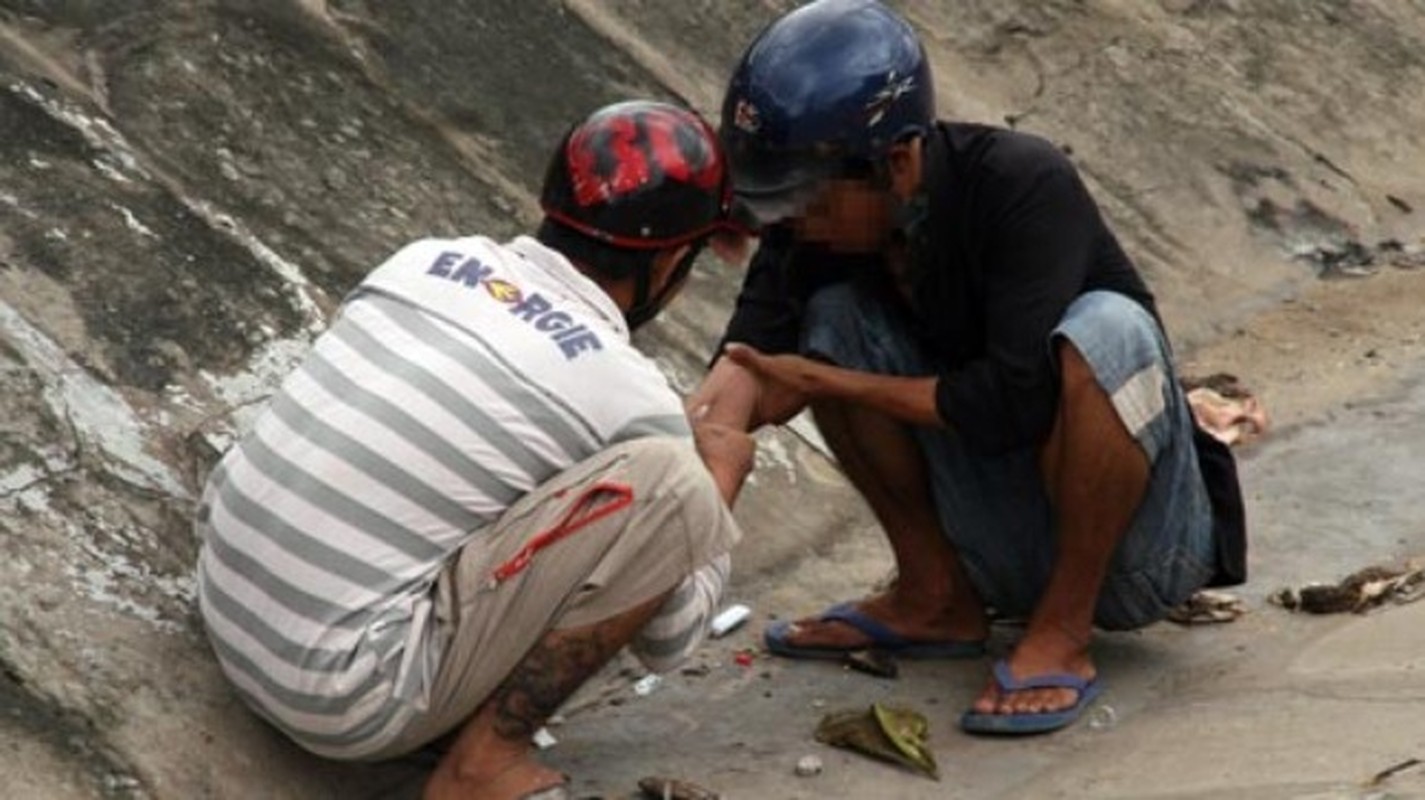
{"points": [[872, 662], [909, 731], [896, 735]]}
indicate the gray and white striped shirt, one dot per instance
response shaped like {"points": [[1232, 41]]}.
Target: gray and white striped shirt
{"points": [[460, 375]]}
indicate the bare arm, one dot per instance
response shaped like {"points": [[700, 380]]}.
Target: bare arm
{"points": [[908, 399], [740, 398], [728, 453], [727, 396]]}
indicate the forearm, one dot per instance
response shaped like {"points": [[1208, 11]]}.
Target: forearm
{"points": [[910, 400], [727, 453], [805, 380], [727, 396], [729, 478]]}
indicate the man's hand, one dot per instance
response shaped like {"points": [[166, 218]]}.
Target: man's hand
{"points": [[909, 399], [728, 454], [737, 397], [797, 375]]}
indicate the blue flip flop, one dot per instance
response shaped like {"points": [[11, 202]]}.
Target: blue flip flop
{"points": [[1037, 722], [882, 638]]}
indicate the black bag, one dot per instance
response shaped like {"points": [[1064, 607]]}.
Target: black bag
{"points": [[1229, 514]]}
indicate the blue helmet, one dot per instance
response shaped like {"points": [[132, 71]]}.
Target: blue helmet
{"points": [[826, 88]]}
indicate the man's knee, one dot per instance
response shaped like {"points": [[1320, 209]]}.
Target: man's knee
{"points": [[1112, 332], [1109, 341], [675, 484], [664, 464], [1076, 375]]}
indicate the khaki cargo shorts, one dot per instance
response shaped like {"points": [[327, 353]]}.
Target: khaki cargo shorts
{"points": [[603, 537]]}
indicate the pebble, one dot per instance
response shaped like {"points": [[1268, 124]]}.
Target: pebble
{"points": [[808, 766]]}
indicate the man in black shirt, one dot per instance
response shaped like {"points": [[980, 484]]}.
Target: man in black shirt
{"points": [[978, 351]]}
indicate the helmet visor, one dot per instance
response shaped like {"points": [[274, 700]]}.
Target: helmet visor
{"points": [[769, 209], [775, 184]]}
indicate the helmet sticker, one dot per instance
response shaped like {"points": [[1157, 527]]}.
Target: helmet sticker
{"points": [[604, 161], [746, 117], [680, 151], [881, 102], [620, 155]]}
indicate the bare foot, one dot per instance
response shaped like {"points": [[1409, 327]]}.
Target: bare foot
{"points": [[497, 780], [966, 622], [1041, 652]]}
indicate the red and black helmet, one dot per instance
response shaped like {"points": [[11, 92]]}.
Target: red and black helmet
{"points": [[641, 175]]}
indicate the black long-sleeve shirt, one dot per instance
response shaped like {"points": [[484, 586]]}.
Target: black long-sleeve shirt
{"points": [[1011, 236]]}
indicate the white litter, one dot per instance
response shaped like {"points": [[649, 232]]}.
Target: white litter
{"points": [[729, 620], [645, 685], [808, 766]]}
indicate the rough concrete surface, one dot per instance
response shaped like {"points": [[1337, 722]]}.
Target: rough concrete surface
{"points": [[188, 187]]}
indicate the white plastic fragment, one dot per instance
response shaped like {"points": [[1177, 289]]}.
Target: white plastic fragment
{"points": [[1103, 718], [729, 620], [645, 685], [543, 739]]}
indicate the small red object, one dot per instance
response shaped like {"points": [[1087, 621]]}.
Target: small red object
{"points": [[743, 658]]}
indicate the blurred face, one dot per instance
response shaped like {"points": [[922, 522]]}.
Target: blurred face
{"points": [[846, 216]]}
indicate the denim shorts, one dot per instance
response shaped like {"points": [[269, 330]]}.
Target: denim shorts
{"points": [[994, 509]]}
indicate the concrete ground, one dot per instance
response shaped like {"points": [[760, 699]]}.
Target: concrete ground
{"points": [[1274, 705], [189, 187]]}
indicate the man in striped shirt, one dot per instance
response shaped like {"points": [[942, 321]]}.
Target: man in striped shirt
{"points": [[474, 491]]}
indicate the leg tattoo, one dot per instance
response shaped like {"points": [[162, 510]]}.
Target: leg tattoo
{"points": [[547, 676]]}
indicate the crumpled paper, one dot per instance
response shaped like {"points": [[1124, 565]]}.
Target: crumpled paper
{"points": [[1208, 606], [1226, 409]]}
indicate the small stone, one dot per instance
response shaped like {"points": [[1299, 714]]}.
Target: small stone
{"points": [[807, 766], [47, 598], [335, 179], [1103, 718]]}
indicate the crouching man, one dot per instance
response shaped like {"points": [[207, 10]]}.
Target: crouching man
{"points": [[474, 491]]}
